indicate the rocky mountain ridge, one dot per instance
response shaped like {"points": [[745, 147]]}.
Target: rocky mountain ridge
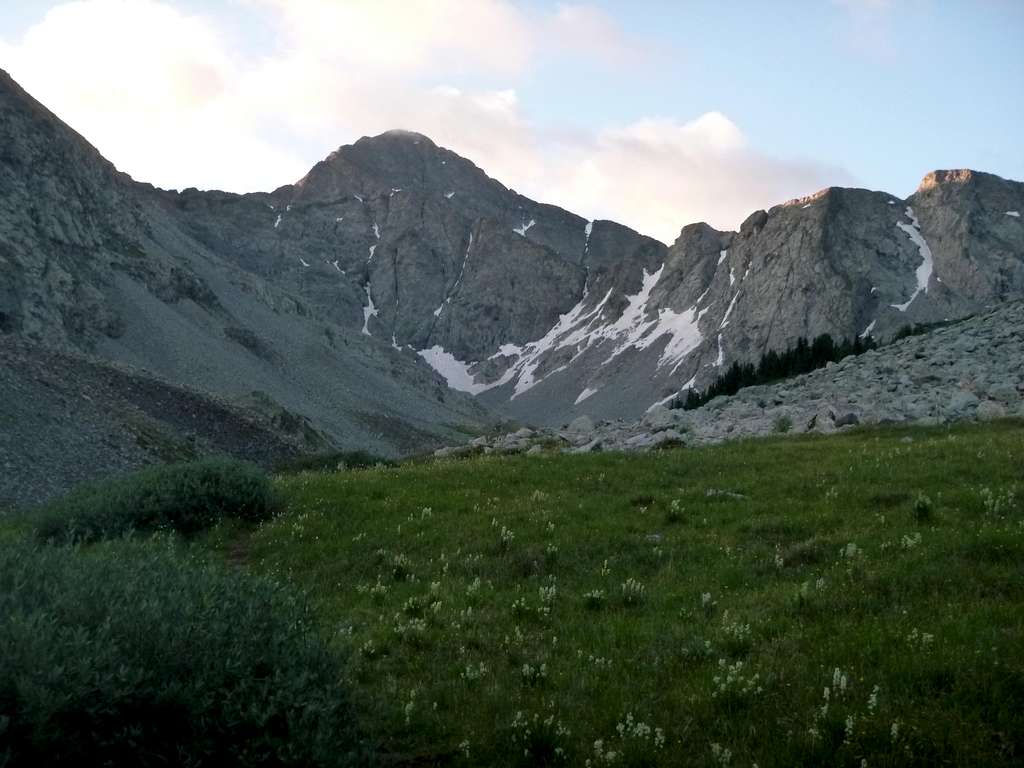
{"points": [[398, 297], [543, 314]]}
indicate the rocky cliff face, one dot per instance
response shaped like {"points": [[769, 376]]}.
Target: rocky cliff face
{"points": [[338, 294], [91, 261]]}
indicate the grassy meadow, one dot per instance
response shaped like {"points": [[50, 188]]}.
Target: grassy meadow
{"points": [[853, 600]]}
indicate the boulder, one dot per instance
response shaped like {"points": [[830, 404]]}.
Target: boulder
{"points": [[659, 418], [847, 419], [1004, 392], [962, 404], [581, 424], [592, 447], [988, 410], [643, 440], [668, 436]]}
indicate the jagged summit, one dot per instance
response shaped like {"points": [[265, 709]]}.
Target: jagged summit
{"points": [[954, 176]]}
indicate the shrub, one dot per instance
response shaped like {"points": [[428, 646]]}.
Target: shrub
{"points": [[129, 654], [333, 461], [782, 424], [922, 508], [187, 498]]}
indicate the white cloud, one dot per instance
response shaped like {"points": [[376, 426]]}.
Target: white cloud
{"points": [[866, 27], [157, 101], [409, 35], [592, 31], [165, 96], [657, 175]]}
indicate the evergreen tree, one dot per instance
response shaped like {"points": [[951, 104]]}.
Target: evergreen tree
{"points": [[802, 357]]}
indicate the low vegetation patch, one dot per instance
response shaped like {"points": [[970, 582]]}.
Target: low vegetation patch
{"points": [[130, 654], [187, 498], [848, 600], [333, 461]]}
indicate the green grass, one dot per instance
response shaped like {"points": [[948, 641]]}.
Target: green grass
{"points": [[684, 607]]}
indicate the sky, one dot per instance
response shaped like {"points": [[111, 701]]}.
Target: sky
{"points": [[654, 113]]}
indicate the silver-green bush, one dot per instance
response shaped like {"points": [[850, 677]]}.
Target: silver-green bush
{"points": [[187, 498], [129, 653]]}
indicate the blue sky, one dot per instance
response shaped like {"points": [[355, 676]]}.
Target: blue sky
{"points": [[712, 108]]}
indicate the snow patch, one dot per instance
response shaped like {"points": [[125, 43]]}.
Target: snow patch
{"points": [[454, 371], [581, 329], [303, 262], [923, 272], [335, 265], [368, 311], [688, 385], [449, 195], [701, 297], [725, 320], [340, 219], [357, 197], [376, 230], [720, 361], [869, 329], [458, 280], [805, 206], [278, 222], [721, 256], [521, 231], [732, 277], [507, 350], [1015, 214], [370, 257], [587, 392], [684, 332]]}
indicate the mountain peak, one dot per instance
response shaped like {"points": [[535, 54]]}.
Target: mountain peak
{"points": [[401, 133], [940, 177], [399, 137]]}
